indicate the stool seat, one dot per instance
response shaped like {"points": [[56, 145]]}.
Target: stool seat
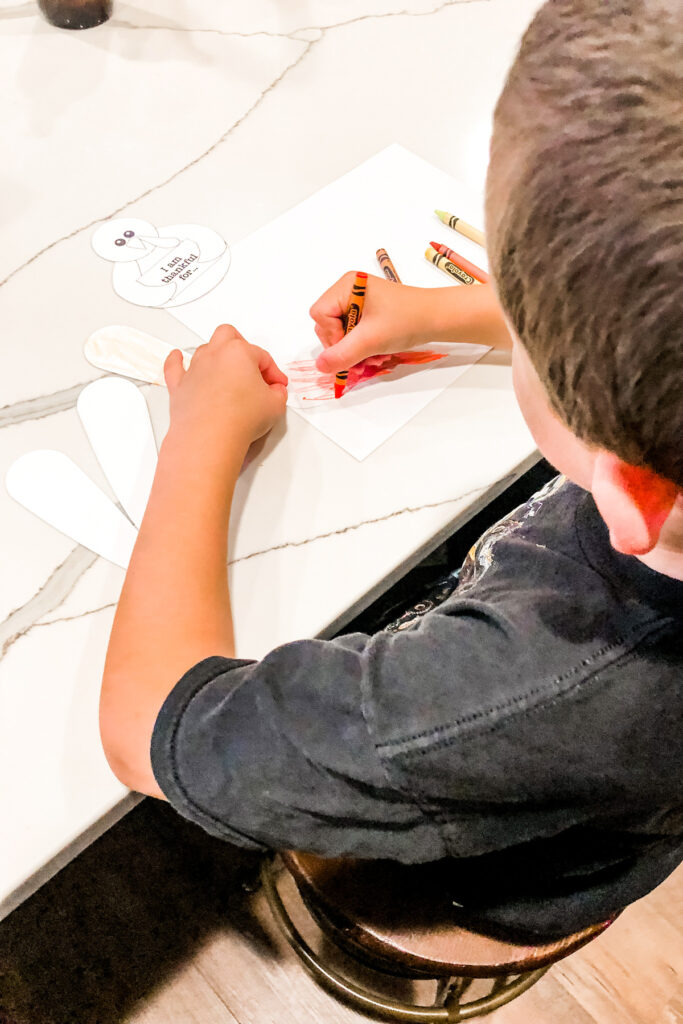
{"points": [[403, 919]]}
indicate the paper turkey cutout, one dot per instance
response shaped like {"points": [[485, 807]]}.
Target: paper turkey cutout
{"points": [[168, 267]]}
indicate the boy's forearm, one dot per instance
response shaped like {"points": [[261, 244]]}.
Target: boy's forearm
{"points": [[174, 608], [469, 313]]}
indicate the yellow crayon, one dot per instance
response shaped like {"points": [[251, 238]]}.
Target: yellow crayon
{"points": [[470, 268], [443, 263], [388, 268], [353, 314], [462, 226]]}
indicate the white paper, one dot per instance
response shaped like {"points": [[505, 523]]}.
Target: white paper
{"points": [[49, 484], [278, 272], [176, 264], [125, 350], [368, 416], [116, 419]]}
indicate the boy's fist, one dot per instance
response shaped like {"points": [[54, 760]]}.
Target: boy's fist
{"points": [[232, 391], [395, 317]]}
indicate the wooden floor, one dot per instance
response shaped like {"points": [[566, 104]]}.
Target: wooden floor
{"points": [[155, 924]]}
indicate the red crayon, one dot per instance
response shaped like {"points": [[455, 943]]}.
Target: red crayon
{"points": [[470, 268], [353, 314]]}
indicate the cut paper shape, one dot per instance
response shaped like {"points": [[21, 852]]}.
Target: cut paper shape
{"points": [[310, 385], [116, 419], [129, 352], [389, 201], [166, 267], [49, 484]]}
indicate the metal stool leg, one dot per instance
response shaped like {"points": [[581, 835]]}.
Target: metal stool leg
{"points": [[368, 1001], [443, 987]]}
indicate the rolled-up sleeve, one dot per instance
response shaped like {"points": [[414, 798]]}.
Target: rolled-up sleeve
{"points": [[278, 753]]}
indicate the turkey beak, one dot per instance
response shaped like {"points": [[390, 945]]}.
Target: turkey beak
{"points": [[158, 242]]}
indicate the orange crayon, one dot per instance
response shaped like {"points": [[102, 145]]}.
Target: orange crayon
{"points": [[353, 315], [470, 268], [388, 268]]}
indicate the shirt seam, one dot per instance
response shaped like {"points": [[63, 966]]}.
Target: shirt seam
{"points": [[540, 706], [549, 687]]}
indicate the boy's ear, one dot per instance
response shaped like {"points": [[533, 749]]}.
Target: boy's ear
{"points": [[634, 502]]}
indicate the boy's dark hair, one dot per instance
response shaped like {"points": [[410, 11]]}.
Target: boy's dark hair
{"points": [[587, 169]]}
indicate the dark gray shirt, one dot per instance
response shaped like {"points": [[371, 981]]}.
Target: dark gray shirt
{"points": [[527, 733]]}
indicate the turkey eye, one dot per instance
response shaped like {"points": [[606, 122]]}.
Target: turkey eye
{"points": [[120, 241], [128, 234]]}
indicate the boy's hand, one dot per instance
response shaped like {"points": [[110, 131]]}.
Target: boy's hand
{"points": [[233, 391], [395, 317]]}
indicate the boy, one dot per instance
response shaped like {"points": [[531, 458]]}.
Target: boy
{"points": [[527, 732]]}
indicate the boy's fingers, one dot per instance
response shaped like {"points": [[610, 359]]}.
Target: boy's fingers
{"points": [[332, 303], [329, 331], [347, 352], [174, 371], [279, 393], [270, 371], [225, 332], [330, 309], [275, 402]]}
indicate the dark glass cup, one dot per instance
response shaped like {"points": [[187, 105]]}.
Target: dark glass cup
{"points": [[76, 13]]}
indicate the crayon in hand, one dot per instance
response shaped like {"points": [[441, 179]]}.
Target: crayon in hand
{"points": [[470, 268], [353, 315], [388, 268], [462, 226], [443, 263]]}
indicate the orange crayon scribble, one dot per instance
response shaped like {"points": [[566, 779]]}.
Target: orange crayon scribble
{"points": [[314, 386]]}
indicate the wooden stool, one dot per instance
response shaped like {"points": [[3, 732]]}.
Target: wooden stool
{"points": [[397, 920]]}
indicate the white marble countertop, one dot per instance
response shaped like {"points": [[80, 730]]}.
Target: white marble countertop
{"points": [[159, 112]]}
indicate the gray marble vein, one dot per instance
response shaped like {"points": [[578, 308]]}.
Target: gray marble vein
{"points": [[40, 406], [295, 35], [51, 595], [63, 580], [355, 526], [170, 26], [181, 170], [59, 401], [72, 618], [394, 14]]}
